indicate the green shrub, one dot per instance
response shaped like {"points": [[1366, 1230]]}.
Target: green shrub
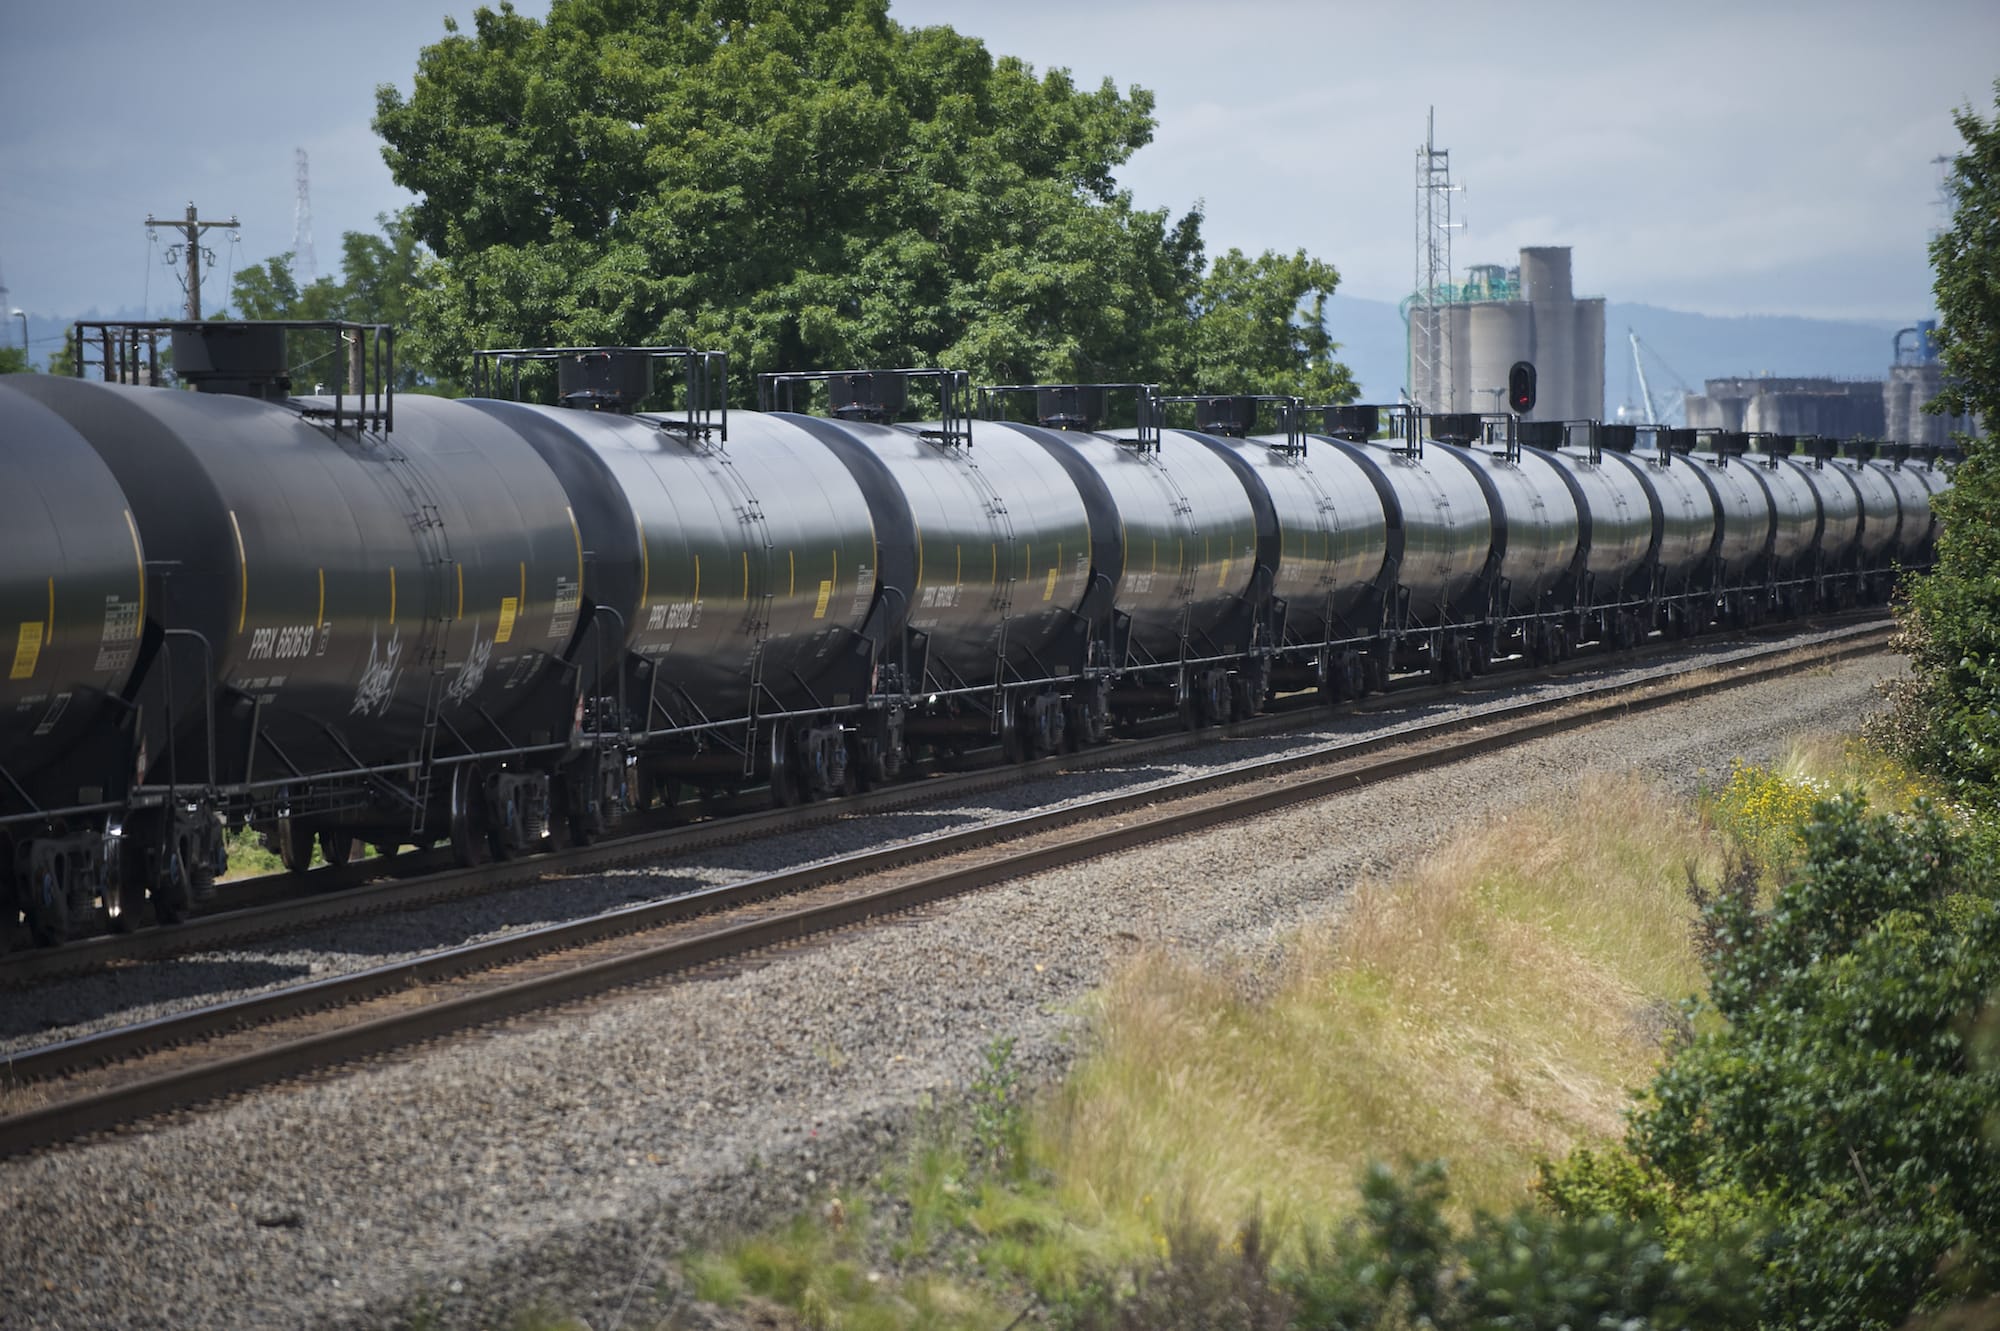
{"points": [[1837, 1109]]}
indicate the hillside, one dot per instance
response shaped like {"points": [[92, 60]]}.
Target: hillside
{"points": [[1693, 347]]}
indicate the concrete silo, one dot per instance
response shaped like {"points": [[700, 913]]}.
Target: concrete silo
{"points": [[1499, 316]]}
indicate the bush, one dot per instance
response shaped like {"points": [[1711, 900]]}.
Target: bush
{"points": [[1838, 1108]]}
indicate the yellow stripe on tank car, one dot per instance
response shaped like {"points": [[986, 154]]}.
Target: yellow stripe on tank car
{"points": [[139, 559], [522, 603], [320, 618], [746, 577], [49, 636], [392, 595], [792, 560], [577, 536], [697, 579], [243, 574], [460, 566], [645, 563]]}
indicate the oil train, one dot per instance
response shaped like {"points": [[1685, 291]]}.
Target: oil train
{"points": [[404, 620]]}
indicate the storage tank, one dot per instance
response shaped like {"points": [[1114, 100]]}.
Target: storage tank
{"points": [[331, 576], [1440, 527], [1189, 541], [72, 603], [1685, 513], [1003, 544], [1537, 530], [710, 551], [1499, 333], [1936, 480], [1881, 511], [1915, 535], [1618, 521], [1797, 519], [1839, 505], [1324, 540], [1747, 526], [1545, 285]]}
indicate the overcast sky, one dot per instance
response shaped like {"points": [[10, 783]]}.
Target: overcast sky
{"points": [[1726, 158]]}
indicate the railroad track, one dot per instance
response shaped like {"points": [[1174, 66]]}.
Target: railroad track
{"points": [[102, 1081], [278, 904]]}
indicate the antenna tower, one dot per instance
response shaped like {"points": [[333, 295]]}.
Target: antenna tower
{"points": [[305, 264], [1430, 345]]}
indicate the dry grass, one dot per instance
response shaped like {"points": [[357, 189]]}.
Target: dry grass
{"points": [[1490, 1008]]}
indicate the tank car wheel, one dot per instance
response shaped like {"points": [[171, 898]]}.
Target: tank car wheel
{"points": [[469, 838], [1482, 655], [129, 883], [778, 759], [1243, 698], [863, 773], [1353, 672], [1188, 709], [1375, 674], [294, 844], [46, 905], [173, 890], [1017, 739], [338, 848]]}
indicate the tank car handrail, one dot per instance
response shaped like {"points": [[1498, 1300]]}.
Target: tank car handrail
{"points": [[1146, 408], [704, 376], [1290, 409], [124, 335], [775, 392]]}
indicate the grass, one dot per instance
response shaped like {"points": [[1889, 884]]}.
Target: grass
{"points": [[249, 858], [1490, 1008]]}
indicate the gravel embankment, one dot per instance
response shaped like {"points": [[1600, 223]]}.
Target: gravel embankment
{"points": [[561, 1162]]}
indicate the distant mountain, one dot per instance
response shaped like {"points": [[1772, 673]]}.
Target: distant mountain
{"points": [[1685, 347]]}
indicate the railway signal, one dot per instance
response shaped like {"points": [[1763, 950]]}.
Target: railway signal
{"points": [[1521, 387]]}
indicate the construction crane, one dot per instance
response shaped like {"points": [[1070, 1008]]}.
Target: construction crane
{"points": [[1652, 413]]}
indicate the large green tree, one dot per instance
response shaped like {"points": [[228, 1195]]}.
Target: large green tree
{"points": [[381, 274], [1260, 327], [1951, 714], [804, 183]]}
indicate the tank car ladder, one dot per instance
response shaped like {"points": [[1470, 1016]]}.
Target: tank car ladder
{"points": [[1003, 595], [427, 521]]}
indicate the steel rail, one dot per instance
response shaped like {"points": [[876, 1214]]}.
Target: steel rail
{"points": [[1136, 817]]}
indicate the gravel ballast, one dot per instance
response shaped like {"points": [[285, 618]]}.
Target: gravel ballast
{"points": [[561, 1162]]}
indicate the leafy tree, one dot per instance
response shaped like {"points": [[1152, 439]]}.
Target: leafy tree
{"points": [[1948, 720], [380, 276], [1836, 1118], [13, 360], [803, 183], [1255, 332]]}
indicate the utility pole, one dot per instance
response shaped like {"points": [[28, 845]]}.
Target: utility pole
{"points": [[192, 229]]}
